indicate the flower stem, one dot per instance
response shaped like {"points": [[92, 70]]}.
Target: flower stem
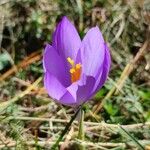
{"points": [[66, 129], [81, 129]]}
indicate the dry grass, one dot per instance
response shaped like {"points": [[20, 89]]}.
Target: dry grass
{"points": [[29, 119]]}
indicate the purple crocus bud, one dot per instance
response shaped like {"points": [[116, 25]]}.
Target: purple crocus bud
{"points": [[75, 70]]}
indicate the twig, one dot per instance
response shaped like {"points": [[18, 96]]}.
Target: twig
{"points": [[37, 90], [1, 27], [4, 105], [36, 109], [27, 84], [2, 2], [96, 145], [27, 61], [99, 144], [129, 68], [67, 140], [95, 125]]}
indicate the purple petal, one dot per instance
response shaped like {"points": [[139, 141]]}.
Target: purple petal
{"points": [[53, 64], [69, 98], [92, 52], [54, 88], [78, 92], [104, 70], [84, 91], [66, 39]]}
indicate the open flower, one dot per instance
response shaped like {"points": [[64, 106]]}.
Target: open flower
{"points": [[75, 70]]}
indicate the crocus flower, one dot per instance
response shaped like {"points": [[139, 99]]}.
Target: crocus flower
{"points": [[75, 70]]}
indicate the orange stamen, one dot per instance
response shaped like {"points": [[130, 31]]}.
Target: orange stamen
{"points": [[75, 71]]}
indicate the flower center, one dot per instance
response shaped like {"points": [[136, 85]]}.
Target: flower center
{"points": [[75, 70]]}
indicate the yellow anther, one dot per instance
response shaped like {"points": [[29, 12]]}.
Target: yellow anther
{"points": [[72, 70], [78, 66], [70, 61]]}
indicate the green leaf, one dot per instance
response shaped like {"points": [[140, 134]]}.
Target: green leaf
{"points": [[110, 108], [144, 95], [100, 94]]}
